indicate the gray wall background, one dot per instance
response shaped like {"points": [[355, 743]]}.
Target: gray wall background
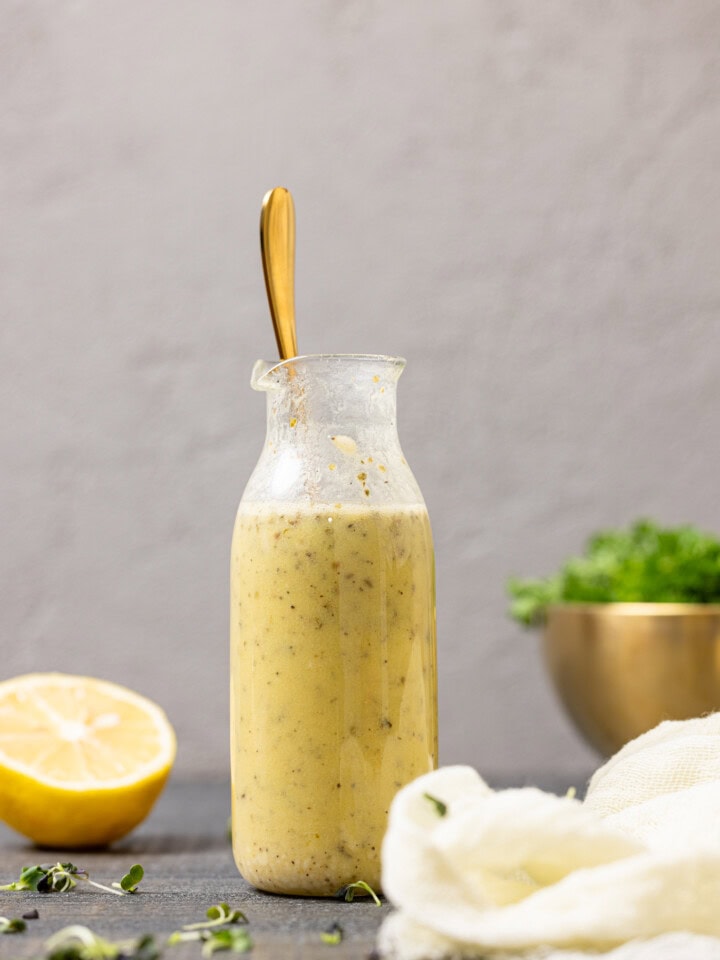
{"points": [[521, 198]]}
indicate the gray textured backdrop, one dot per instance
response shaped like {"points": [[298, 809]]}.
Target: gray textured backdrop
{"points": [[521, 198]]}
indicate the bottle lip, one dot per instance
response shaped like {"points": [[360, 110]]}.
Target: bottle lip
{"points": [[264, 375]]}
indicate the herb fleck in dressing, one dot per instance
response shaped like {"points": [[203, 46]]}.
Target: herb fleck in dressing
{"points": [[333, 686]]}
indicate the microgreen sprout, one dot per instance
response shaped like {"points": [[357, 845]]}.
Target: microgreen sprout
{"points": [[81, 943], [63, 877], [11, 926], [333, 935], [235, 939], [132, 878], [440, 807], [46, 878], [218, 932], [217, 915], [359, 888]]}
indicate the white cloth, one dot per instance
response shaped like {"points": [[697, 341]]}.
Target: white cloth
{"points": [[636, 866]]}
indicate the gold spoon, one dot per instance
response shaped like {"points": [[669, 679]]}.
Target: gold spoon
{"points": [[277, 244]]}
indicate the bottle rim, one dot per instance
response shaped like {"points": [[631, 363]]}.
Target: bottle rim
{"points": [[264, 370]]}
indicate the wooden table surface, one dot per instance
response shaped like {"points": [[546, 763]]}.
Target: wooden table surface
{"points": [[188, 863]]}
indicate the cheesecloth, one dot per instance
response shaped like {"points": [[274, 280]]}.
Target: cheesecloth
{"points": [[633, 872]]}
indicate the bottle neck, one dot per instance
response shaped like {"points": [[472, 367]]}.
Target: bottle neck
{"points": [[332, 433], [302, 413]]}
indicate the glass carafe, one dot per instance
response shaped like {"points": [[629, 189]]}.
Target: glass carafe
{"points": [[333, 690]]}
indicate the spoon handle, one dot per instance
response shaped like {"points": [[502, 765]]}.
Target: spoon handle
{"points": [[277, 243]]}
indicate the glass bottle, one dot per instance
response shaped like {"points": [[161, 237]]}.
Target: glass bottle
{"points": [[333, 665]]}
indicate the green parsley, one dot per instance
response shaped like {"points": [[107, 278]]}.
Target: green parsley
{"points": [[645, 563], [440, 807], [359, 888]]}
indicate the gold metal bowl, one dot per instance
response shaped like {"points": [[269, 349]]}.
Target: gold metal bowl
{"points": [[621, 668]]}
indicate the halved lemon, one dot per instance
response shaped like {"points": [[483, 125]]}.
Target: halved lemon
{"points": [[82, 761]]}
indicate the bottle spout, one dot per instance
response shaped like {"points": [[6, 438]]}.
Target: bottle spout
{"points": [[260, 378]]}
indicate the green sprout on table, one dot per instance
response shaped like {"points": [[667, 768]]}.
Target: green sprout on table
{"points": [[131, 880], [333, 935], [218, 932], [358, 888], [229, 938], [217, 915], [80, 943], [63, 877]]}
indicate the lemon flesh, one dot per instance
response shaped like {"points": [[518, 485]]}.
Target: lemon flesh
{"points": [[82, 761]]}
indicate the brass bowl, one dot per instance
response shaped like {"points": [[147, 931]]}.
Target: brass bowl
{"points": [[621, 668]]}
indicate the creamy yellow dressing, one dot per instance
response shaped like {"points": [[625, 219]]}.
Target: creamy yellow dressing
{"points": [[333, 686]]}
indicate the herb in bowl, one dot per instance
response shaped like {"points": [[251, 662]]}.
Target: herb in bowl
{"points": [[645, 563]]}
